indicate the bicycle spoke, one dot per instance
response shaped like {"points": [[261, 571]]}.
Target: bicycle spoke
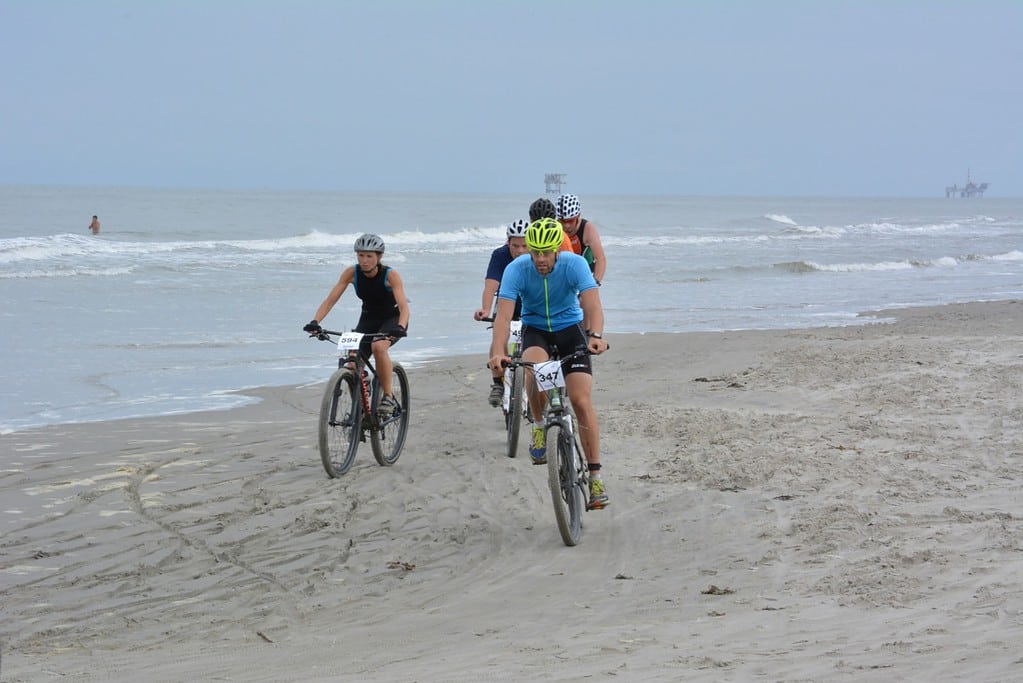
{"points": [[339, 420], [388, 436], [562, 477], [513, 416]]}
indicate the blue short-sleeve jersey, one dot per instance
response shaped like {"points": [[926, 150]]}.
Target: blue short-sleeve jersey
{"points": [[548, 303]]}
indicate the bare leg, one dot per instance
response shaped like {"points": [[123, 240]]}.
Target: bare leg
{"points": [[383, 363], [537, 398]]}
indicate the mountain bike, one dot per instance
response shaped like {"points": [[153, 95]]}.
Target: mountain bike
{"points": [[567, 473], [348, 412], [513, 403]]}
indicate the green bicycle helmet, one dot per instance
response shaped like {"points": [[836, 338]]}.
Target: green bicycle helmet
{"points": [[545, 234]]}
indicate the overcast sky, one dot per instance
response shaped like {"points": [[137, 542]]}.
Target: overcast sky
{"points": [[830, 98]]}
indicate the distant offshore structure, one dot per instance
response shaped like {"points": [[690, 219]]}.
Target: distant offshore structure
{"points": [[553, 182], [971, 189]]}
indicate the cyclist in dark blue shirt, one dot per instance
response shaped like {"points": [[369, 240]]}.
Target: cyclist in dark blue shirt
{"points": [[514, 246]]}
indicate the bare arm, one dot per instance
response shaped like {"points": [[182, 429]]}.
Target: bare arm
{"points": [[502, 327], [489, 290], [398, 289], [593, 318], [597, 247], [347, 277]]}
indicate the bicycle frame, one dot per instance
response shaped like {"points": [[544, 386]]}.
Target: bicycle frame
{"points": [[351, 352], [515, 351]]}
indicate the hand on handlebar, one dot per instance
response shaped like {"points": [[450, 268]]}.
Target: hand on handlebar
{"points": [[313, 328], [480, 314], [597, 346], [499, 362]]}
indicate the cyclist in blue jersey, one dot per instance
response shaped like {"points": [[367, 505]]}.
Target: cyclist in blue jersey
{"points": [[561, 311], [385, 308], [500, 258]]}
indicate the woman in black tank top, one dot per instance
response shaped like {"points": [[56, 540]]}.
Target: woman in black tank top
{"points": [[384, 306]]}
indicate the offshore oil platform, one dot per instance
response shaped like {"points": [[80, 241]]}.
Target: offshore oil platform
{"points": [[553, 182], [971, 189]]}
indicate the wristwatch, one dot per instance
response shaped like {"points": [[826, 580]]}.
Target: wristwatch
{"points": [[594, 335]]}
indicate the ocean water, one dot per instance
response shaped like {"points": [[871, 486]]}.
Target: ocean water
{"points": [[189, 295]]}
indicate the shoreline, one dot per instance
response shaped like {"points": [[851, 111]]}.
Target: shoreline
{"points": [[787, 504], [252, 394]]}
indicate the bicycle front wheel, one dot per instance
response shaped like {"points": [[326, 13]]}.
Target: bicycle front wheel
{"points": [[563, 477], [340, 423], [513, 416], [388, 436]]}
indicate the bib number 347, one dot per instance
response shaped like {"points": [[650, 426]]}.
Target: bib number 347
{"points": [[548, 375]]}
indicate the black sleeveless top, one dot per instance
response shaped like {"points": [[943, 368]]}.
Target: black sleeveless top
{"points": [[377, 298]]}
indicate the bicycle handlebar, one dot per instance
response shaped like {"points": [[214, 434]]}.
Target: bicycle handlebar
{"points": [[324, 335], [588, 352], [517, 362]]}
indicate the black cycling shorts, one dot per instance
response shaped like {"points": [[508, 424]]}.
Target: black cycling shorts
{"points": [[371, 324], [560, 343]]}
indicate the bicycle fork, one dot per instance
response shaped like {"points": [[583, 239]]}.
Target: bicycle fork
{"points": [[574, 471]]}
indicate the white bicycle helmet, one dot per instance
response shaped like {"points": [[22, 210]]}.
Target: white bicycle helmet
{"points": [[568, 206], [518, 228], [369, 242]]}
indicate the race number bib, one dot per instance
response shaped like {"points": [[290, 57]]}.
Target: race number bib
{"points": [[349, 341], [515, 336], [548, 375]]}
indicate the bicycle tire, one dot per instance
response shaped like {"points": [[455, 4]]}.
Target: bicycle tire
{"points": [[563, 478], [340, 423], [388, 436], [513, 418]]}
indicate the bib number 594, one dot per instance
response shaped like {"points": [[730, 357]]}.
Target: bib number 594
{"points": [[349, 341]]}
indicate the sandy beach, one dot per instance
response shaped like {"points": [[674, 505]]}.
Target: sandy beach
{"points": [[803, 505]]}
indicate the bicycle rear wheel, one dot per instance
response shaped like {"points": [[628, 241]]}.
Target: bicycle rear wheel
{"points": [[516, 406], [388, 437], [340, 420], [563, 478]]}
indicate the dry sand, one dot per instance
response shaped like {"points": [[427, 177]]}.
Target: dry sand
{"points": [[812, 505]]}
